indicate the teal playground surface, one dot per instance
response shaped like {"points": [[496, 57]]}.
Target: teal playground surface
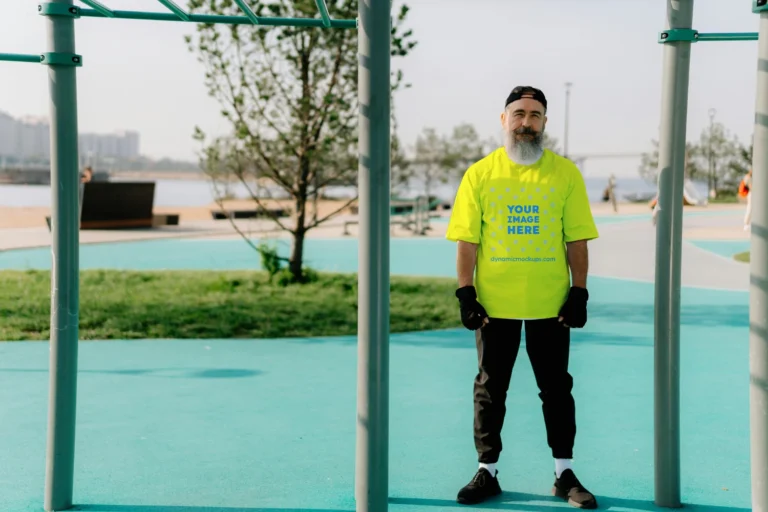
{"points": [[410, 256], [727, 248], [269, 425]]}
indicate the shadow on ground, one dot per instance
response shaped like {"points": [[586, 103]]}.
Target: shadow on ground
{"points": [[184, 508], [170, 373], [534, 502], [703, 315], [507, 501]]}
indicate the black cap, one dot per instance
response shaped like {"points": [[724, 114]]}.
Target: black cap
{"points": [[526, 91]]}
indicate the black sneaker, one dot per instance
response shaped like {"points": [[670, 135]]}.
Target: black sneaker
{"points": [[482, 487], [570, 489]]}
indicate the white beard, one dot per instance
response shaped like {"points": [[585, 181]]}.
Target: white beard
{"points": [[522, 151]]}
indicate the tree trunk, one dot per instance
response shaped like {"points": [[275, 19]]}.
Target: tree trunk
{"points": [[297, 255], [295, 265]]}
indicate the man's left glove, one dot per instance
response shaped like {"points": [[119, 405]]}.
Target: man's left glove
{"points": [[574, 311], [473, 315]]}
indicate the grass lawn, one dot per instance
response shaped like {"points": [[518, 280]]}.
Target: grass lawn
{"points": [[742, 256], [206, 304]]}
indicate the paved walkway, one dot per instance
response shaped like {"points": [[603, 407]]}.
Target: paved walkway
{"points": [[628, 251]]}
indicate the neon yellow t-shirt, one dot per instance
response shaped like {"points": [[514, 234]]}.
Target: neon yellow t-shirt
{"points": [[521, 216]]}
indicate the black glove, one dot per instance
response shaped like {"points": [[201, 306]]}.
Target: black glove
{"points": [[574, 311], [472, 312]]}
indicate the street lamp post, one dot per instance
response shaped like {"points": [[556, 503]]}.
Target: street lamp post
{"points": [[712, 192], [567, 114]]}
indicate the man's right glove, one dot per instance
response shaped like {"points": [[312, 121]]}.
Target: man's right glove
{"points": [[574, 311], [473, 313]]}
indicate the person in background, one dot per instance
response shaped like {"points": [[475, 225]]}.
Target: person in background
{"points": [[86, 175], [745, 191], [609, 194], [521, 220]]}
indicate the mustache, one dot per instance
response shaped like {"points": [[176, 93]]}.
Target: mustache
{"points": [[525, 130]]}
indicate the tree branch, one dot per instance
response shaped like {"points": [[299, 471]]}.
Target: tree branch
{"points": [[261, 109], [261, 205], [238, 111], [319, 221], [271, 67], [323, 112]]}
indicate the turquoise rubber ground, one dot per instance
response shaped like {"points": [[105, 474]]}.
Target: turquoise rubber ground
{"points": [[727, 248], [269, 425]]}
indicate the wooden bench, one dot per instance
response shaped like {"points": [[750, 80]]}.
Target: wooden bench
{"points": [[257, 213], [119, 205]]}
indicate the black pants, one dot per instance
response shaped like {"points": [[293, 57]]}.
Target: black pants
{"points": [[548, 344]]}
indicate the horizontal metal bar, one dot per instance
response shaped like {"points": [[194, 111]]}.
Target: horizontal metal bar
{"points": [[99, 7], [727, 36], [175, 9], [248, 12], [323, 8], [214, 18], [17, 57]]}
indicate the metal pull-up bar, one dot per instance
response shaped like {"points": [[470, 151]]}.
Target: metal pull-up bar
{"points": [[694, 36], [99, 10], [16, 57], [677, 40], [374, 43]]}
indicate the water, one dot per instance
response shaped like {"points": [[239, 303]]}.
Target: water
{"points": [[173, 193], [179, 193]]}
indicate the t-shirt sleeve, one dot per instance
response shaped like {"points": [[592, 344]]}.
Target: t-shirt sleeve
{"points": [[578, 223], [466, 215]]}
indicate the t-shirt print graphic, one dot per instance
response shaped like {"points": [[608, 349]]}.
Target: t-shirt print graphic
{"points": [[524, 220]]}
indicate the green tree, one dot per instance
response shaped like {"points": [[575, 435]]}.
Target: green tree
{"points": [[464, 146], [743, 163], [290, 95], [401, 169], [716, 157], [442, 158], [430, 159]]}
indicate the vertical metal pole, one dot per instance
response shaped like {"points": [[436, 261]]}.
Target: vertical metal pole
{"points": [[567, 117], [758, 290], [711, 189], [674, 110], [372, 464], [65, 225]]}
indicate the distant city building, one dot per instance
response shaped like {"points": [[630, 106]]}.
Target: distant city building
{"points": [[117, 145], [7, 135], [29, 138]]}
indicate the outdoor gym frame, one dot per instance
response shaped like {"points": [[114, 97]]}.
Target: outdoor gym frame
{"points": [[373, 24], [677, 38], [374, 42]]}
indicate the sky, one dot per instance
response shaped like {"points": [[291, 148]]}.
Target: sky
{"points": [[139, 75]]}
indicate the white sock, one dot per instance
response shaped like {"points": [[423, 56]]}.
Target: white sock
{"points": [[561, 465], [490, 467]]}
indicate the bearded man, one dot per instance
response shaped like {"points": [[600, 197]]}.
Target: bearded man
{"points": [[521, 220]]}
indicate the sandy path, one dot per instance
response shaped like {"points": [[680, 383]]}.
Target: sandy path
{"points": [[29, 217]]}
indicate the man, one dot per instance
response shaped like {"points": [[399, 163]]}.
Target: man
{"points": [[521, 219]]}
